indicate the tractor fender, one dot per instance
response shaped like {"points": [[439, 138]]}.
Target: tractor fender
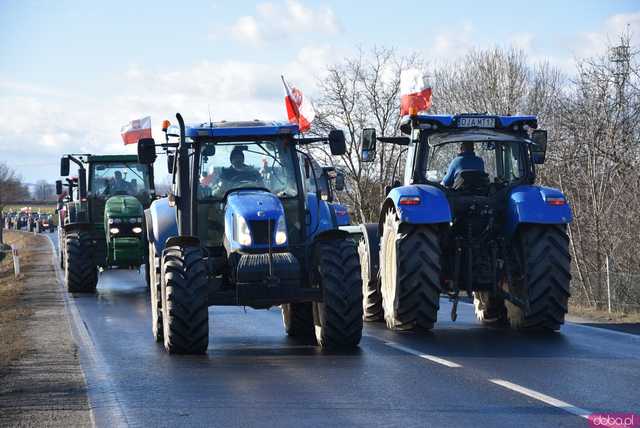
{"points": [[161, 223], [183, 241], [528, 204], [432, 208], [321, 218], [330, 235]]}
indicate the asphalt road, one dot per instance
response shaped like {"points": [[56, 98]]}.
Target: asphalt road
{"points": [[461, 374]]}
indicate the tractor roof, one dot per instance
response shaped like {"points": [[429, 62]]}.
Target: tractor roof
{"points": [[444, 122], [112, 158], [255, 128]]}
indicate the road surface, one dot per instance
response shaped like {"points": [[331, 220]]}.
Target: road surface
{"points": [[461, 374]]}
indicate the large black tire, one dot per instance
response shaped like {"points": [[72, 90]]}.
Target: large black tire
{"points": [[489, 309], [61, 245], [298, 320], [81, 272], [156, 294], [544, 249], [338, 318], [410, 274], [185, 306], [371, 297]]}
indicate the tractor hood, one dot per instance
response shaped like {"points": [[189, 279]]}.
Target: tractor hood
{"points": [[261, 210], [123, 206]]}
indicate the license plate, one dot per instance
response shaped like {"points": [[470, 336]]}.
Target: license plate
{"points": [[476, 122]]}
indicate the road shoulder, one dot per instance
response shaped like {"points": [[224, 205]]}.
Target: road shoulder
{"points": [[45, 386]]}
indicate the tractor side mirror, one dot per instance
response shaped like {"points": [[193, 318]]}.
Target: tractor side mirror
{"points": [[170, 160], [58, 187], [539, 147], [82, 182], [64, 166], [368, 144], [146, 150], [339, 183], [337, 142]]}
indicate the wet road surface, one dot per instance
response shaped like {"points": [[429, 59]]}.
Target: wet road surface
{"points": [[460, 374]]}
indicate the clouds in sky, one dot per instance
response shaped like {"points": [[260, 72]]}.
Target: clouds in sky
{"points": [[276, 21], [39, 122]]}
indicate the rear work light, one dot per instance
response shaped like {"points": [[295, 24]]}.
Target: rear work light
{"points": [[409, 200], [556, 201]]}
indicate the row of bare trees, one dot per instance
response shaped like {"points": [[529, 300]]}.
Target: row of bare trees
{"points": [[594, 151], [11, 189]]}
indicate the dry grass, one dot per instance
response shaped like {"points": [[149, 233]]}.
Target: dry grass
{"points": [[602, 316], [12, 311]]}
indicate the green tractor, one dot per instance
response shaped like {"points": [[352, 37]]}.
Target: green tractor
{"points": [[103, 226]]}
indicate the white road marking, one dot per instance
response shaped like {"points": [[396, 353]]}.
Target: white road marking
{"points": [[417, 353], [583, 413]]}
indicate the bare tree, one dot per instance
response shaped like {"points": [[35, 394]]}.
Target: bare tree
{"points": [[363, 92], [43, 190], [11, 189]]}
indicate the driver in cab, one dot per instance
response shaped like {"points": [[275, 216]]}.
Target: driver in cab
{"points": [[239, 171], [465, 160]]}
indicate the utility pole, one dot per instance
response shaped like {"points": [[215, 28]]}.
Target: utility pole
{"points": [[620, 56]]}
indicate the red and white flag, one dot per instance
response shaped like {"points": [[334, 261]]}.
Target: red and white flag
{"points": [[299, 110], [415, 95], [135, 130]]}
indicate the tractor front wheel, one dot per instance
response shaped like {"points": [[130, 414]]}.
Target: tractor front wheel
{"points": [[298, 319], [338, 318], [185, 306], [156, 294], [410, 274], [372, 299], [80, 271]]}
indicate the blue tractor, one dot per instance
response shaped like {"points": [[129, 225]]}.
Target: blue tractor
{"points": [[240, 228], [467, 217]]}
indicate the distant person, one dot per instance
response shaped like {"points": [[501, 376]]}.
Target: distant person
{"points": [[465, 160], [118, 184]]}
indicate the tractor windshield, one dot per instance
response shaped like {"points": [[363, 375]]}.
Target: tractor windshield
{"points": [[225, 166], [119, 178], [503, 161]]}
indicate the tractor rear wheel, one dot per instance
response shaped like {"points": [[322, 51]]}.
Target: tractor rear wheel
{"points": [[489, 309], [543, 250], [338, 318], [372, 299], [80, 273], [410, 274], [156, 294], [185, 306], [298, 319]]}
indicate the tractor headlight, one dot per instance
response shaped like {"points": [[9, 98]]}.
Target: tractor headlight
{"points": [[114, 230], [134, 220], [243, 234], [114, 220], [137, 229], [281, 231]]}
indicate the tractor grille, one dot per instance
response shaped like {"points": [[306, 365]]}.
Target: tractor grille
{"points": [[260, 230]]}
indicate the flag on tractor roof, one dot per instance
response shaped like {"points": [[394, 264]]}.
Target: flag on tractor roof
{"points": [[415, 95], [299, 109], [135, 130]]}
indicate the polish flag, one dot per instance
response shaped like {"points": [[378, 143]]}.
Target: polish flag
{"points": [[415, 96], [135, 130], [298, 111]]}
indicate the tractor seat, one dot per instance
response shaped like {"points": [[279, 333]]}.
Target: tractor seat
{"points": [[471, 181]]}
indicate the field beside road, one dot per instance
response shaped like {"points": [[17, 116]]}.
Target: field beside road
{"points": [[41, 381]]}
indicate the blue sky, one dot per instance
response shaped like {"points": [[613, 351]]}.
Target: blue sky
{"points": [[72, 72]]}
